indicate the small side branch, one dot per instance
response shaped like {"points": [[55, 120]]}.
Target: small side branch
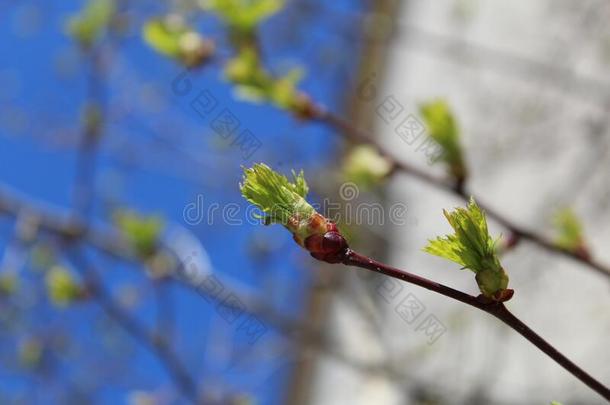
{"points": [[496, 309], [157, 345], [459, 189]]}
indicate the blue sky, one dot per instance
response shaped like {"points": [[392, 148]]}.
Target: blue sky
{"points": [[157, 155]]}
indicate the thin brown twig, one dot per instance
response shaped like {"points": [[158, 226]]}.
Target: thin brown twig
{"points": [[496, 309], [91, 133], [323, 115], [74, 230], [157, 344]]}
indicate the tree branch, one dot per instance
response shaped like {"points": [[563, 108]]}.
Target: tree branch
{"points": [[156, 344], [91, 132], [71, 228], [496, 309], [356, 134]]}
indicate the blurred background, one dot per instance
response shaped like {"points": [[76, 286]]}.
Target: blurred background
{"points": [[132, 271]]}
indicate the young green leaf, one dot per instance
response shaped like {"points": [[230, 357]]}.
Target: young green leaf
{"points": [[473, 248], [442, 129], [91, 22], [171, 37], [254, 83], [283, 202], [280, 199]]}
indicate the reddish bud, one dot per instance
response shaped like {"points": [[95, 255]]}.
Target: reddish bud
{"points": [[503, 295], [328, 257], [333, 242], [329, 247]]}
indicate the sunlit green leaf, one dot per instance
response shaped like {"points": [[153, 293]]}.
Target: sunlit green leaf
{"points": [[283, 201], [472, 247], [279, 198]]}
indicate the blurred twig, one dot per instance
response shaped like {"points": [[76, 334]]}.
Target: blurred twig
{"points": [[165, 308], [91, 132], [72, 229], [497, 309], [156, 343], [461, 190]]}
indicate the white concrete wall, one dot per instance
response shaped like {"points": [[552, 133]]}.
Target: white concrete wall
{"points": [[528, 81]]}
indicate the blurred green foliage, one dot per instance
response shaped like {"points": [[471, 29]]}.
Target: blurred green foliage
{"points": [[569, 230], [365, 166], [243, 15], [142, 232], [443, 129], [30, 352], [9, 282], [62, 288], [254, 83], [171, 37], [42, 256], [91, 22]]}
